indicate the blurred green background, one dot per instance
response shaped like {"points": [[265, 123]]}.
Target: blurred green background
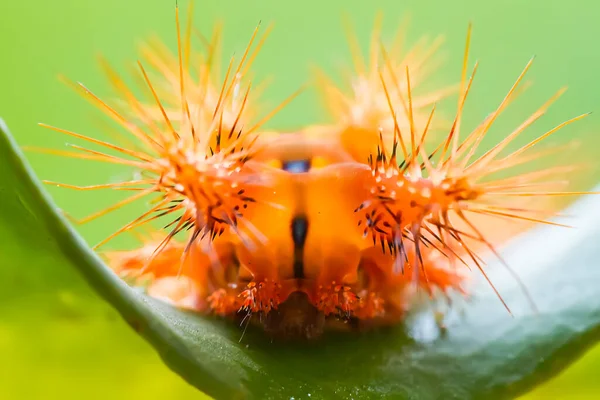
{"points": [[56, 339]]}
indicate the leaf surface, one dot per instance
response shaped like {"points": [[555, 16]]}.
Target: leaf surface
{"points": [[483, 352]]}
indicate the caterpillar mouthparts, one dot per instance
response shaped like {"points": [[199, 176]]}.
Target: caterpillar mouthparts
{"points": [[331, 226]]}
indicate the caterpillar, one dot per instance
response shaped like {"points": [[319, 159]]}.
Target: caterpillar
{"points": [[330, 226]]}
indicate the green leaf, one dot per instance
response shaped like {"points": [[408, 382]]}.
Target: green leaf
{"points": [[483, 352]]}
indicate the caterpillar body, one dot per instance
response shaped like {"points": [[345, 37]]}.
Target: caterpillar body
{"points": [[332, 225]]}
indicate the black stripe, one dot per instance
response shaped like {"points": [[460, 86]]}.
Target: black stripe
{"points": [[299, 225], [299, 229]]}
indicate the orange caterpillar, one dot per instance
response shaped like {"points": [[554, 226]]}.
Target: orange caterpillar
{"points": [[309, 229]]}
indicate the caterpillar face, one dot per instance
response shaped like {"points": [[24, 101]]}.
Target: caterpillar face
{"points": [[311, 266]]}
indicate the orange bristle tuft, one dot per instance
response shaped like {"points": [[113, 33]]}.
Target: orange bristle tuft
{"points": [[362, 111], [200, 165], [404, 202]]}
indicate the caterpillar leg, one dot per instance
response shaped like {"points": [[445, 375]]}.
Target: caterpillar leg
{"points": [[224, 302], [262, 296], [335, 298]]}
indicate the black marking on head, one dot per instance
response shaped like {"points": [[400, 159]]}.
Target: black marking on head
{"points": [[299, 229], [297, 166]]}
